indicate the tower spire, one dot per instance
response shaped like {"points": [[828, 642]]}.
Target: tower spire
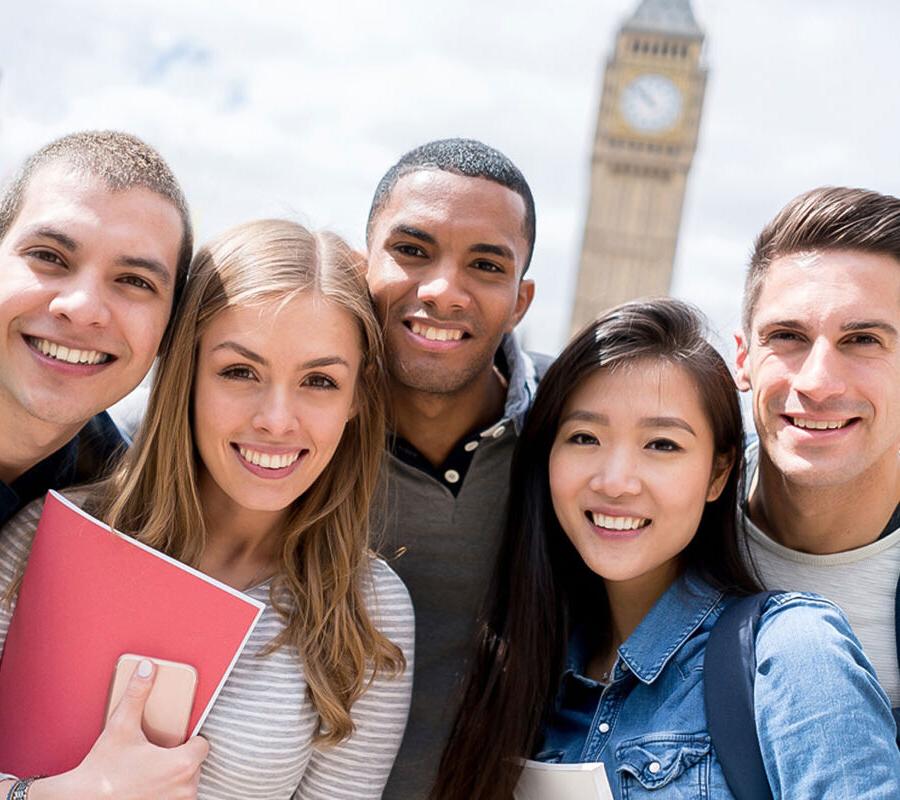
{"points": [[664, 16]]}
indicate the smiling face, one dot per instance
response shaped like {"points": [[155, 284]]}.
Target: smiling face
{"points": [[631, 469], [446, 257], [823, 361], [86, 286], [274, 388]]}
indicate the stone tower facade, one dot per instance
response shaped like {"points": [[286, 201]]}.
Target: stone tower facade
{"points": [[646, 137]]}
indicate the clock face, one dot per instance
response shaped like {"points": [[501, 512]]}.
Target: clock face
{"points": [[651, 103]]}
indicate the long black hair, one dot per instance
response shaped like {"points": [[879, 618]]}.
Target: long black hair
{"points": [[540, 582]]}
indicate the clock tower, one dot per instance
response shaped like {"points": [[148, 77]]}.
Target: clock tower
{"points": [[645, 141]]}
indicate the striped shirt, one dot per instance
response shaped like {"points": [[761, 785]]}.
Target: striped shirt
{"points": [[261, 727]]}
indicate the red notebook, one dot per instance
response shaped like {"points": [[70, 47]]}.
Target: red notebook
{"points": [[89, 595]]}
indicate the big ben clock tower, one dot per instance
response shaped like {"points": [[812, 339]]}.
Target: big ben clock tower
{"points": [[645, 141]]}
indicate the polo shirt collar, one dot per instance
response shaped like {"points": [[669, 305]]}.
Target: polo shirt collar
{"points": [[522, 383]]}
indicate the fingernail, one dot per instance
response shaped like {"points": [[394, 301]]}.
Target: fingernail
{"points": [[145, 668]]}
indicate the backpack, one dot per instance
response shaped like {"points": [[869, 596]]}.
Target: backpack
{"points": [[729, 669]]}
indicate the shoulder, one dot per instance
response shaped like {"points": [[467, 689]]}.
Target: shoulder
{"points": [[387, 598], [100, 443], [803, 626]]}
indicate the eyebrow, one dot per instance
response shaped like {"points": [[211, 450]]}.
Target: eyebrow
{"points": [[870, 324], [413, 232], [493, 249], [323, 361], [482, 247], [645, 422], [856, 325], [151, 265], [57, 236], [65, 241]]}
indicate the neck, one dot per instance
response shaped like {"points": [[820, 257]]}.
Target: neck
{"points": [[243, 546], [27, 440], [630, 601], [433, 423], [822, 520]]}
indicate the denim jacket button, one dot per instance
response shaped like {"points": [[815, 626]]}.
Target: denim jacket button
{"points": [[604, 727], [654, 767]]}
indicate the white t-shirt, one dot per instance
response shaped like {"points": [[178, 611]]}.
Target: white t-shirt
{"points": [[863, 582]]}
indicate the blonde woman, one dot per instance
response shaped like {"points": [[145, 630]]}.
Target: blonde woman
{"points": [[255, 463]]}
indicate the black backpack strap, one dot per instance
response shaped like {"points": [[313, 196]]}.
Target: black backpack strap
{"points": [[729, 670]]}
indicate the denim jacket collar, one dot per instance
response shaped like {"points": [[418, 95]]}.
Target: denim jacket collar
{"points": [[670, 623]]}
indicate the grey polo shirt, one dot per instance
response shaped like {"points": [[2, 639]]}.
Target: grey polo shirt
{"points": [[440, 534]]}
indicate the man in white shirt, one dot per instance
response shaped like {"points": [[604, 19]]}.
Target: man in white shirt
{"points": [[820, 350]]}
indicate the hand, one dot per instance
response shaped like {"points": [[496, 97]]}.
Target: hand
{"points": [[123, 765]]}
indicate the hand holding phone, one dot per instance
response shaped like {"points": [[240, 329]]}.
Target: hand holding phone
{"points": [[168, 708]]}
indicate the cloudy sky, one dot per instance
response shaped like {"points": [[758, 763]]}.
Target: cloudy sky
{"points": [[297, 108]]}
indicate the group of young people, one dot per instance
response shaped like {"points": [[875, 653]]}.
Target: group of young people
{"points": [[504, 557]]}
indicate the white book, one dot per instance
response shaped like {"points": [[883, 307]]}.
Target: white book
{"points": [[540, 781]]}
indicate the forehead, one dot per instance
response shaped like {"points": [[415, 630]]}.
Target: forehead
{"points": [[59, 196], [830, 286], [644, 387], [305, 326], [444, 203]]}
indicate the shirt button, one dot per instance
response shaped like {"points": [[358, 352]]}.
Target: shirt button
{"points": [[604, 727], [654, 767], [451, 476], [499, 431], [470, 446]]}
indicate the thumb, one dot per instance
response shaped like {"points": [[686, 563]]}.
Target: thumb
{"points": [[196, 749], [130, 710]]}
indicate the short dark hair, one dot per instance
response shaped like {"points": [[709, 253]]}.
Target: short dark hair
{"points": [[467, 157], [120, 160], [541, 587], [827, 218]]}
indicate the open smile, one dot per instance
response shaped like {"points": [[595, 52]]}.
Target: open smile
{"points": [[616, 525], [818, 427], [269, 463], [434, 337], [64, 354]]}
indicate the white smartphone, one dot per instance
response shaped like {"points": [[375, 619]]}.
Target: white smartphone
{"points": [[168, 708]]}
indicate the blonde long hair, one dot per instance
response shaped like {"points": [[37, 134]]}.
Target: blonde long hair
{"points": [[324, 557]]}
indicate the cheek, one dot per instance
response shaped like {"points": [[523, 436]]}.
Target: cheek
{"points": [[144, 329], [564, 485]]}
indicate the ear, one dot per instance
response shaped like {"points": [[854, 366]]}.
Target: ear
{"points": [[524, 296], [742, 368], [721, 470]]}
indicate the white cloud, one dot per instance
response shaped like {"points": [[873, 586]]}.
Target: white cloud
{"points": [[297, 109]]}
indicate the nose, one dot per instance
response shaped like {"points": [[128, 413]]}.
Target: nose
{"points": [[818, 376], [276, 413], [616, 475], [82, 300], [442, 287]]}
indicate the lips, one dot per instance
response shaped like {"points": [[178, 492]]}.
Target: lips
{"points": [[616, 522], [66, 354], [818, 426]]}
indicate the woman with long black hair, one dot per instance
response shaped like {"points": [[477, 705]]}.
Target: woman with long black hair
{"points": [[619, 555]]}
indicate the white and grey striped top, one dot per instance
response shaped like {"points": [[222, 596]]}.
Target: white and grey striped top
{"points": [[261, 726]]}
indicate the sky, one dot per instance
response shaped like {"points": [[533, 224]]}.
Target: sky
{"points": [[296, 109]]}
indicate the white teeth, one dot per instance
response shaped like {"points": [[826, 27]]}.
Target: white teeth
{"points": [[619, 523], [818, 424], [70, 356], [268, 460], [436, 334]]}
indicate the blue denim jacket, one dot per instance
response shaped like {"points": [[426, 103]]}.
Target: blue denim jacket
{"points": [[824, 724]]}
